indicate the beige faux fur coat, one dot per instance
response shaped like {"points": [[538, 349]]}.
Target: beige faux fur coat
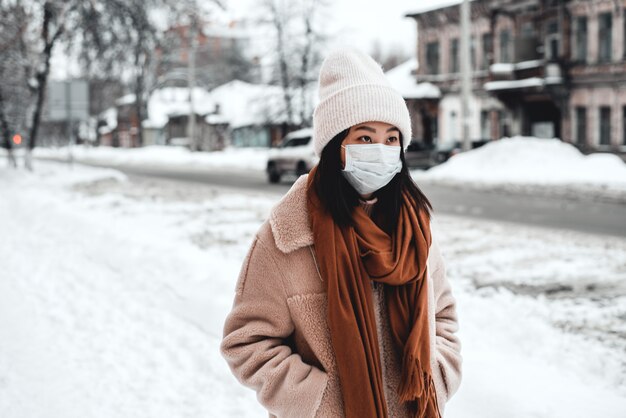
{"points": [[276, 338]]}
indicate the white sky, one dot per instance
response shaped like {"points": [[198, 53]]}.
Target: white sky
{"points": [[361, 22]]}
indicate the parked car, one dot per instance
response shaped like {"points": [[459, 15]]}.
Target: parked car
{"points": [[444, 150], [295, 155], [419, 154]]}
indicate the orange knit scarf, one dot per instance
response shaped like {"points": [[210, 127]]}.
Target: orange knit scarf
{"points": [[348, 259]]}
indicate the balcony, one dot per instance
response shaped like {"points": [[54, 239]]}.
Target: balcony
{"points": [[529, 71], [545, 75]]}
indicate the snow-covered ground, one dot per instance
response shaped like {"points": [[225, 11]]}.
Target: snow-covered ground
{"points": [[533, 165], [113, 295], [254, 159]]}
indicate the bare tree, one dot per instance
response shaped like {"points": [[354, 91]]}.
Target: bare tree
{"points": [[311, 39], [390, 56], [114, 30], [118, 37], [298, 41], [110, 37], [279, 17], [14, 94], [53, 15]]}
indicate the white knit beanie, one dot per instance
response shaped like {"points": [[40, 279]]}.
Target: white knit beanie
{"points": [[353, 89]]}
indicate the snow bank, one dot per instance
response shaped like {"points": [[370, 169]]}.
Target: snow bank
{"points": [[108, 307], [533, 164], [163, 156]]}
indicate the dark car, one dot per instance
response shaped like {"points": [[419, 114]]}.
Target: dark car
{"points": [[420, 154], [444, 150]]}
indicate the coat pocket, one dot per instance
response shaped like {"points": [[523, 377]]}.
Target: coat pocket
{"points": [[312, 341], [311, 335]]}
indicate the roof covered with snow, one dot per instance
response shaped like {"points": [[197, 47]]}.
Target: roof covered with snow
{"points": [[432, 6], [125, 100], [171, 101], [109, 116], [402, 78], [244, 104]]}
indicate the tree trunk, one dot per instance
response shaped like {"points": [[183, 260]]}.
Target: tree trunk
{"points": [[42, 79], [139, 88], [304, 69], [282, 61], [7, 142]]}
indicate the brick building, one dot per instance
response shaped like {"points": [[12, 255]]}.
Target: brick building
{"points": [[222, 54], [539, 67]]}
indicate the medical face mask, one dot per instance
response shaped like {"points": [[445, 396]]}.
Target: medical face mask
{"points": [[370, 167]]}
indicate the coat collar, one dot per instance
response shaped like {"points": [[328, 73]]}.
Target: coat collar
{"points": [[289, 219]]}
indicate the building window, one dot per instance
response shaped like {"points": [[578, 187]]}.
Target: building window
{"points": [[485, 125], [505, 46], [487, 48], [605, 28], [434, 129], [473, 53], [454, 55], [581, 125], [453, 126], [528, 30], [432, 57], [526, 43], [503, 124], [581, 39], [605, 125], [552, 40]]}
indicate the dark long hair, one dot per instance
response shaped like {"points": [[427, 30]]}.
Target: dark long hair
{"points": [[340, 198]]}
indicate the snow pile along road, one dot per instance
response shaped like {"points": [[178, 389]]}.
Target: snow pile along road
{"points": [[526, 164], [248, 159], [113, 295]]}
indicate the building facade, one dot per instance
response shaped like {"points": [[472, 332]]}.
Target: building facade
{"points": [[545, 68], [221, 55]]}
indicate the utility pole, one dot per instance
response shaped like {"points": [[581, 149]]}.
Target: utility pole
{"points": [[69, 128], [465, 73], [191, 81]]}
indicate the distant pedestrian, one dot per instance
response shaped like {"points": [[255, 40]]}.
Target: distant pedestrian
{"points": [[343, 307]]}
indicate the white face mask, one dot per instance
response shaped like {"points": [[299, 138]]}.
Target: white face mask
{"points": [[370, 167]]}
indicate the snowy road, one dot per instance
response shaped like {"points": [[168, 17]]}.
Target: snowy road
{"points": [[554, 212], [113, 294]]}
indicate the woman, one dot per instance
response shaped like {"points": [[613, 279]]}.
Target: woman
{"points": [[343, 307]]}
